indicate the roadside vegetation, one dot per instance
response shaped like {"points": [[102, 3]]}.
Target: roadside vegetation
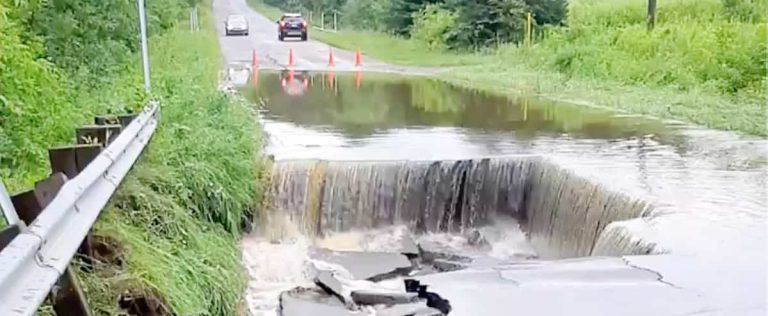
{"points": [[173, 225], [704, 62]]}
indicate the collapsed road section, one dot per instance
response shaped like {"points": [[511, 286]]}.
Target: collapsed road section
{"points": [[481, 237]]}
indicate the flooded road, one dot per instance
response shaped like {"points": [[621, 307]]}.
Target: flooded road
{"points": [[716, 176], [706, 189], [366, 116]]}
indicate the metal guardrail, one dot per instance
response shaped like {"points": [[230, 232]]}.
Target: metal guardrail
{"points": [[38, 257]]}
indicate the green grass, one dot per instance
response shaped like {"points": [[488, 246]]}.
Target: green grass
{"points": [[177, 215], [395, 50], [704, 63], [269, 11]]}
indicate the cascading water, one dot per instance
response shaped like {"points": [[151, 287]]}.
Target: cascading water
{"points": [[563, 214]]}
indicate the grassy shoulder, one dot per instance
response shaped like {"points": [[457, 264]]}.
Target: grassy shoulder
{"points": [[607, 59], [395, 50], [171, 229], [176, 218]]}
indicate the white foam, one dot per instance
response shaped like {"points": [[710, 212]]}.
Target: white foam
{"points": [[278, 259]]}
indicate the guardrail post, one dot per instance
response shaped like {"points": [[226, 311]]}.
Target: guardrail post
{"points": [[32, 277], [97, 134], [7, 234], [70, 160], [126, 119], [68, 298]]}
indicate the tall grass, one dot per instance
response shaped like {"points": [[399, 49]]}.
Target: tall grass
{"points": [[178, 215], [395, 50], [711, 50]]}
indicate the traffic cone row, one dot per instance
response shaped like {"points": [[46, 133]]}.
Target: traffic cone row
{"points": [[331, 59]]}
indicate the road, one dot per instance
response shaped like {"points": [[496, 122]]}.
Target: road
{"points": [[273, 54]]}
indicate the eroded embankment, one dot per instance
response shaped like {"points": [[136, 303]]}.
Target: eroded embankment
{"points": [[564, 215]]}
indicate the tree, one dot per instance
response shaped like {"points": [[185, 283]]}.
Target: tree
{"points": [[366, 14], [400, 15], [551, 12], [482, 22]]}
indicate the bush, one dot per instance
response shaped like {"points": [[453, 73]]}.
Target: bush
{"points": [[724, 55], [369, 15], [431, 26], [35, 105]]}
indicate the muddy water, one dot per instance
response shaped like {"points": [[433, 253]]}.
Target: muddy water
{"points": [[705, 191], [698, 180]]}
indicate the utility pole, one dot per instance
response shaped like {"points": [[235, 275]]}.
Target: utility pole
{"points": [[144, 57], [651, 14]]}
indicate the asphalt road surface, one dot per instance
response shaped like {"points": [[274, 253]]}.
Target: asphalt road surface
{"points": [[274, 54]]}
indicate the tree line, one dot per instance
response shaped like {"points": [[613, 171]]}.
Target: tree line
{"points": [[452, 24]]}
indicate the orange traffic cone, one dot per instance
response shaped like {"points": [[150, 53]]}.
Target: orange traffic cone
{"points": [[358, 58], [330, 58], [290, 58], [254, 60]]}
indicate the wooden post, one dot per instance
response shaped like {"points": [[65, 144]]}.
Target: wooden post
{"points": [[335, 28], [651, 14], [529, 30]]}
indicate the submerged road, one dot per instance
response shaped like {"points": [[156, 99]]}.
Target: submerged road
{"points": [[273, 54]]}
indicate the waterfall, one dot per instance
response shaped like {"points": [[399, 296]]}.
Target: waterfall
{"points": [[563, 214]]}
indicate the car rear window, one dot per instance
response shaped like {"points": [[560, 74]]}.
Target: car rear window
{"points": [[292, 19]]}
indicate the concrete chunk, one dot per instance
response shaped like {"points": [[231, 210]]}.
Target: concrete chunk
{"points": [[409, 247], [326, 281], [370, 297], [304, 301], [364, 265]]}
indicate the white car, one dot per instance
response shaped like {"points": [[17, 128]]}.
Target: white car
{"points": [[236, 24]]}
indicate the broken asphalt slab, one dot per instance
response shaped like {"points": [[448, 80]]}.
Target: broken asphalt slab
{"points": [[373, 297], [363, 265], [596, 286], [307, 301]]}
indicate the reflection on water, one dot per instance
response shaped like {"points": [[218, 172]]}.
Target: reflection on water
{"points": [[360, 107], [708, 187]]}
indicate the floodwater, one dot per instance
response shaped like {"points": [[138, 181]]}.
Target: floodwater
{"points": [[385, 117], [707, 188], [718, 177]]}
